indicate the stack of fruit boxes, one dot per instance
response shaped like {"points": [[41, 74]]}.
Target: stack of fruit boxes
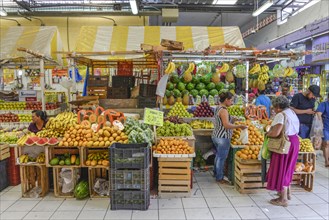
{"points": [[130, 176]]}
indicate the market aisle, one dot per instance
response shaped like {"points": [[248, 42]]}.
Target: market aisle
{"points": [[208, 201]]}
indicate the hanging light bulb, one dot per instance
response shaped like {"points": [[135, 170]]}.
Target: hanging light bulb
{"points": [[20, 71]]}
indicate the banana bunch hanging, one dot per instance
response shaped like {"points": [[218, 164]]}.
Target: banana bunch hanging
{"points": [[288, 72], [225, 68], [263, 75], [255, 69], [187, 74], [170, 68]]}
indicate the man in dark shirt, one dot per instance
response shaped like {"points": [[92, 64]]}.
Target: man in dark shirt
{"points": [[303, 105]]}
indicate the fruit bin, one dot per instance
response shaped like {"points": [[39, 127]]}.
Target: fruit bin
{"points": [[53, 151], [130, 179], [174, 179], [123, 81], [34, 176], [31, 151], [101, 92], [98, 81], [84, 156], [130, 200], [4, 151], [248, 175], [58, 188], [118, 93], [129, 156], [93, 174]]}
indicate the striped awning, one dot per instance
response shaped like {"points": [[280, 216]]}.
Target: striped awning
{"points": [[39, 39], [129, 38]]}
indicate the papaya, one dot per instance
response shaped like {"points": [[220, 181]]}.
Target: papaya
{"points": [[215, 78], [92, 118], [73, 159], [229, 77], [171, 100], [186, 99]]}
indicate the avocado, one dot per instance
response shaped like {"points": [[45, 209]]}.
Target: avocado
{"points": [[54, 161], [67, 161], [77, 161], [62, 162]]}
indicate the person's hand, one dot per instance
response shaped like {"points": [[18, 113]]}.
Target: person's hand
{"points": [[309, 111], [243, 127]]}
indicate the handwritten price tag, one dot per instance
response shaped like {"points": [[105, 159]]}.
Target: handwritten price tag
{"points": [[153, 117]]}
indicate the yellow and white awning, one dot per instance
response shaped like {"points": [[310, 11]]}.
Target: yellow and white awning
{"points": [[39, 39], [129, 38]]}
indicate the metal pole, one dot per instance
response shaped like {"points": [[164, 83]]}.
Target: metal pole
{"points": [[42, 84], [247, 84]]}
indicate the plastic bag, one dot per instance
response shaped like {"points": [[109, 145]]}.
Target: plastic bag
{"points": [[266, 154], [244, 136], [67, 180], [102, 187], [316, 132]]}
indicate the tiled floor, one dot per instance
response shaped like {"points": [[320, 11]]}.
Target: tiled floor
{"points": [[208, 201]]}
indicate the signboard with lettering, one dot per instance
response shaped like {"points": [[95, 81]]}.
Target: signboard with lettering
{"points": [[125, 68], [153, 117], [27, 95], [321, 44]]}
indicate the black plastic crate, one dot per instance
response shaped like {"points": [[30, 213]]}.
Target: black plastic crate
{"points": [[130, 179], [119, 93], [147, 90], [131, 200], [147, 102], [98, 81], [3, 175], [123, 81], [129, 158]]}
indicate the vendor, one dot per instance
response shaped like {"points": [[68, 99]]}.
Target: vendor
{"points": [[262, 99], [39, 120]]}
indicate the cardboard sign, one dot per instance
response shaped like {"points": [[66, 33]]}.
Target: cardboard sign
{"points": [[153, 117]]}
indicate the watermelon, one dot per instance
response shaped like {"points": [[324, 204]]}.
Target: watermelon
{"points": [[42, 141], [185, 92], [177, 93], [206, 78], [181, 86], [174, 78], [211, 86], [220, 86], [29, 141], [213, 92], [81, 190], [200, 86], [194, 92], [168, 93], [190, 86], [53, 141], [170, 86], [35, 139], [203, 92], [195, 80]]}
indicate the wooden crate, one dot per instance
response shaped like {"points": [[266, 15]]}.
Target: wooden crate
{"points": [[93, 174], [174, 177], [93, 101], [248, 176], [118, 103], [84, 155], [98, 81], [58, 187], [31, 151], [33, 176], [101, 92], [52, 151], [4, 151]]}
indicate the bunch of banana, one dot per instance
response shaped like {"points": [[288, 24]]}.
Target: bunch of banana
{"points": [[208, 124], [98, 156], [225, 67], [170, 68], [288, 72], [263, 76], [190, 68], [187, 74], [202, 124], [23, 139], [24, 158], [41, 158], [255, 69]]}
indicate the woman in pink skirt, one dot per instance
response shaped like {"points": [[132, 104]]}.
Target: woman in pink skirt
{"points": [[282, 166]]}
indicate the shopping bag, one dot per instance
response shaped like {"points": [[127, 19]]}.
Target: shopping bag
{"points": [[244, 136], [316, 132], [266, 154]]}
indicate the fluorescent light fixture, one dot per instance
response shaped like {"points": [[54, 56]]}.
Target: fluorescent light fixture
{"points": [[3, 13], [224, 2], [263, 8], [133, 6]]}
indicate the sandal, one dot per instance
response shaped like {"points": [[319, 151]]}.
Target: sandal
{"points": [[278, 202], [224, 182]]}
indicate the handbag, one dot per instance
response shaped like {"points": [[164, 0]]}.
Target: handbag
{"points": [[280, 144]]}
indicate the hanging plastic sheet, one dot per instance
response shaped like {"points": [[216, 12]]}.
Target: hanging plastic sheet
{"points": [[85, 84]]}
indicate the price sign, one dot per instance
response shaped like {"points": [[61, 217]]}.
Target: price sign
{"points": [[153, 117]]}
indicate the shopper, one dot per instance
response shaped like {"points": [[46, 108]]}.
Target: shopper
{"points": [[285, 91], [303, 105], [222, 134], [39, 121], [282, 166], [323, 113], [262, 99]]}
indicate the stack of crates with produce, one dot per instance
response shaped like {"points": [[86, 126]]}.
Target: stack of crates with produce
{"points": [[130, 176]]}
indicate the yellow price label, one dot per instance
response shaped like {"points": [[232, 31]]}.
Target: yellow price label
{"points": [[153, 117]]}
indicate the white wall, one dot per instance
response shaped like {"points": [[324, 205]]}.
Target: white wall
{"points": [[272, 31]]}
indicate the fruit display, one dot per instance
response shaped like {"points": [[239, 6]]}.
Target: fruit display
{"points": [[304, 167], [39, 141], [170, 68], [203, 110], [306, 145], [179, 110], [255, 137], [249, 152], [170, 129], [172, 146], [25, 158], [99, 158], [202, 124], [56, 126], [9, 117], [26, 106], [22, 140], [12, 105], [138, 132], [236, 110], [65, 159], [263, 77], [25, 117], [174, 119], [38, 106], [10, 137], [255, 69]]}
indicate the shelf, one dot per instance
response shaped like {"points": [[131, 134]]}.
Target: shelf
{"points": [[313, 172]]}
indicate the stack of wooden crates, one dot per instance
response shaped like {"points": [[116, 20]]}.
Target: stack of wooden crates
{"points": [[97, 86]]}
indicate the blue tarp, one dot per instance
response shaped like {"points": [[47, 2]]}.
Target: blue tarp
{"points": [[85, 84]]}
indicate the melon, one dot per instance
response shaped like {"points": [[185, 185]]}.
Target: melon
{"points": [[35, 139], [99, 110], [29, 141], [53, 141], [86, 123], [42, 141], [101, 119], [92, 118]]}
